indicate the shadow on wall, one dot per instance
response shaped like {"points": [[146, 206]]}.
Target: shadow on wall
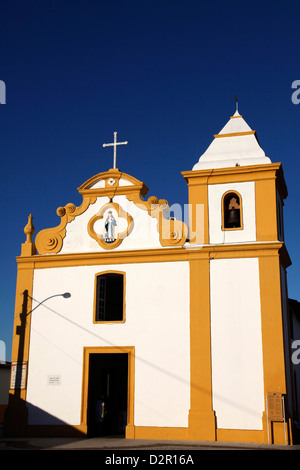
{"points": [[16, 414], [16, 419]]}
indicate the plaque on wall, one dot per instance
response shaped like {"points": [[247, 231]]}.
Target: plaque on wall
{"points": [[18, 375], [275, 406], [54, 380]]}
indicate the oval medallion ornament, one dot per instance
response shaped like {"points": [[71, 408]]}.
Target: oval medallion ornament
{"points": [[110, 226]]}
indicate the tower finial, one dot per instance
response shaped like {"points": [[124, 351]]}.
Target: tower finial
{"points": [[236, 102], [29, 229], [28, 248]]}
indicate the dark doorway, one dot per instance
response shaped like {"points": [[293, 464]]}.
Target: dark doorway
{"points": [[108, 386]]}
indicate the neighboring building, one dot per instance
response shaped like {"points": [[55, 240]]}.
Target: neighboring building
{"points": [[182, 332], [4, 388], [294, 313]]}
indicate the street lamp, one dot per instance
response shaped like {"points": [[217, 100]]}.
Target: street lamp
{"points": [[66, 295]]}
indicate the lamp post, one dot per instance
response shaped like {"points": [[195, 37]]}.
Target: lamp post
{"points": [[21, 332], [66, 295], [16, 414]]}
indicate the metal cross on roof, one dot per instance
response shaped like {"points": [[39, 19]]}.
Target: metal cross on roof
{"points": [[114, 145]]}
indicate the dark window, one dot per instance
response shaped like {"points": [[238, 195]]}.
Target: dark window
{"points": [[231, 211], [110, 297]]}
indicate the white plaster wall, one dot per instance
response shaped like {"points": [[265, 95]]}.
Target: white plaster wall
{"points": [[237, 364], [144, 233], [215, 193], [157, 324]]}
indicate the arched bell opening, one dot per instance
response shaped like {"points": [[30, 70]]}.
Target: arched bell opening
{"points": [[231, 211]]}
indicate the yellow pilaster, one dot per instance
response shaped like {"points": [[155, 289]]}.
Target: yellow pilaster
{"points": [[198, 206], [272, 341], [201, 416], [266, 211], [16, 415]]}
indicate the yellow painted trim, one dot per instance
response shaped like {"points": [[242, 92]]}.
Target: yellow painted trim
{"points": [[238, 174], [271, 313], [235, 117], [241, 435], [241, 210], [198, 206], [202, 424], [24, 284], [130, 350], [16, 415], [124, 297], [154, 432], [234, 134], [272, 334], [266, 210], [112, 190], [244, 250]]}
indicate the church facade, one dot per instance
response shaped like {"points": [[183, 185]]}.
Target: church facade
{"points": [[179, 330]]}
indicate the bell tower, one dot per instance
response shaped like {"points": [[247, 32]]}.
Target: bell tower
{"points": [[241, 190], [239, 193]]}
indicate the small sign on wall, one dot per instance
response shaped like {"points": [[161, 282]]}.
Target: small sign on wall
{"points": [[18, 375], [54, 380], [275, 406], [275, 411]]}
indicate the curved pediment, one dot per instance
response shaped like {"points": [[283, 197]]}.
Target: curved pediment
{"points": [[111, 183], [122, 194]]}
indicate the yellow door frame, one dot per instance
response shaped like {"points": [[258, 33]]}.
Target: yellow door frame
{"points": [[130, 350]]}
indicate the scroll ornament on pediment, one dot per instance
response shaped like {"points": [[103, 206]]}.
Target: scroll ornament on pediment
{"points": [[172, 232], [50, 240]]}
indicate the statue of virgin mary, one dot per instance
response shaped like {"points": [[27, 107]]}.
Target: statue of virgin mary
{"points": [[109, 225]]}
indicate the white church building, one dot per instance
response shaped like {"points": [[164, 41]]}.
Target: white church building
{"points": [[180, 329]]}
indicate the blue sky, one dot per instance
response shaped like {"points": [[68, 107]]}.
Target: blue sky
{"points": [[162, 73]]}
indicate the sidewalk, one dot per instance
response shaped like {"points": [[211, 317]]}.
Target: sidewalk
{"points": [[120, 444]]}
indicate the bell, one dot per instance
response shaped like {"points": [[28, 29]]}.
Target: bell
{"points": [[234, 217]]}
